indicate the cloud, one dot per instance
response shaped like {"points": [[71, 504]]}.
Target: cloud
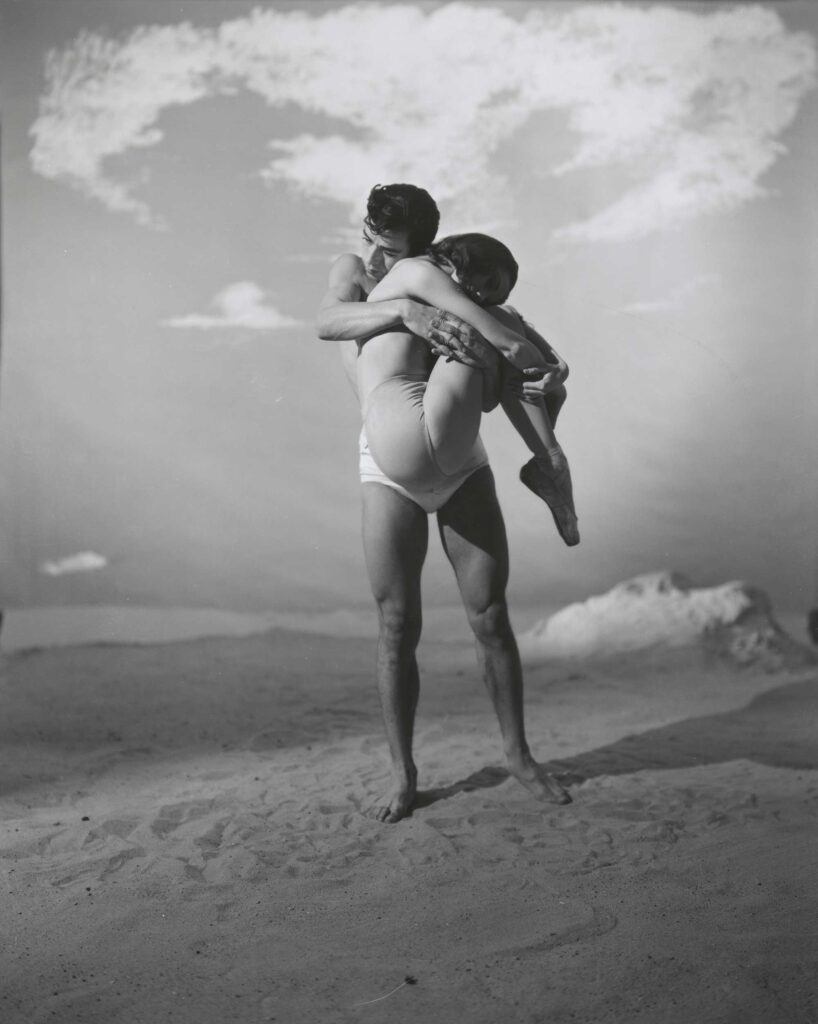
{"points": [[85, 561], [686, 105], [675, 300], [105, 99], [238, 305]]}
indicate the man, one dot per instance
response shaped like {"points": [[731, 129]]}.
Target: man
{"points": [[402, 221]]}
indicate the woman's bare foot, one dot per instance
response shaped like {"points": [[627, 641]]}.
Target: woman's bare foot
{"points": [[537, 780], [551, 481], [399, 802]]}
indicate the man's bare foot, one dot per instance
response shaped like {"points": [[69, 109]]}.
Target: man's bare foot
{"points": [[537, 780], [398, 804]]}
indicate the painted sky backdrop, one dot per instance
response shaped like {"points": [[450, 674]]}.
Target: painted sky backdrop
{"points": [[177, 178]]}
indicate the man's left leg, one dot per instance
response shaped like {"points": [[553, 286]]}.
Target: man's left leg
{"points": [[474, 539]]}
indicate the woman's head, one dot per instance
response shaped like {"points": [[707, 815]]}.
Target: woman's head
{"points": [[484, 267]]}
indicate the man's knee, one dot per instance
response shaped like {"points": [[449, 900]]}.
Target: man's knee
{"points": [[399, 626], [490, 624]]}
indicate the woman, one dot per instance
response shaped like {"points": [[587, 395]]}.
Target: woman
{"points": [[422, 428]]}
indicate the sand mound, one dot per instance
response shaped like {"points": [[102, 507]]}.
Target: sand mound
{"points": [[662, 609]]}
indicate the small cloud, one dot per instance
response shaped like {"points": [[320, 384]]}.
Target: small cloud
{"points": [[238, 305], [674, 300], [85, 561]]}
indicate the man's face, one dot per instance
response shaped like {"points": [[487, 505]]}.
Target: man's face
{"points": [[380, 252]]}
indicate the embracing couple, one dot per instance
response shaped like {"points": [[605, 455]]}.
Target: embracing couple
{"points": [[401, 305]]}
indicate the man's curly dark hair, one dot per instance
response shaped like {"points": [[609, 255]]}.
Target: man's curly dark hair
{"points": [[403, 207]]}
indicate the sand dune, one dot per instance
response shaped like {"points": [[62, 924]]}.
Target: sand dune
{"points": [[183, 839], [734, 622]]}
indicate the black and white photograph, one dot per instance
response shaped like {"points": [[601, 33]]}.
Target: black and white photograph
{"points": [[408, 512]]}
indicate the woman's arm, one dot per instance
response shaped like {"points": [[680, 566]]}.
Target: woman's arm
{"points": [[420, 279], [345, 315], [558, 368]]}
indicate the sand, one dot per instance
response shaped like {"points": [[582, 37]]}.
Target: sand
{"points": [[183, 840]]}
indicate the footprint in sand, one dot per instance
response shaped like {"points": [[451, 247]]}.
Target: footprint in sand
{"points": [[120, 827], [660, 832], [171, 816], [210, 843], [96, 869], [423, 845]]}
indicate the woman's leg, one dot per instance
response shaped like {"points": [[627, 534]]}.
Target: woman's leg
{"points": [[533, 424], [554, 401], [422, 431], [548, 474], [453, 407]]}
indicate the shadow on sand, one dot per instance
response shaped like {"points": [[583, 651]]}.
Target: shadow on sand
{"points": [[777, 728], [484, 778]]}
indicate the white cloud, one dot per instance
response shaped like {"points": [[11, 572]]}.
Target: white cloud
{"points": [[675, 300], [238, 305], [689, 103], [85, 561], [105, 99]]}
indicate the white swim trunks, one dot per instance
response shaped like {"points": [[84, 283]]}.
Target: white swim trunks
{"points": [[433, 498]]}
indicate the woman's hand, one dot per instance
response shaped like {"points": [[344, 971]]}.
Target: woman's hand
{"points": [[536, 383]]}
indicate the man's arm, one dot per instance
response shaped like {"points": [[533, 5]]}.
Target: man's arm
{"points": [[344, 313]]}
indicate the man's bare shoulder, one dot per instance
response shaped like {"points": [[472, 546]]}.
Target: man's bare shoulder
{"points": [[347, 280], [349, 260], [348, 267]]}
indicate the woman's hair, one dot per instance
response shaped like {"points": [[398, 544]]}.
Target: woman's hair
{"points": [[403, 208], [472, 254]]}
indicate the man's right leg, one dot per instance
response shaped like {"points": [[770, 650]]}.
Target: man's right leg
{"points": [[396, 535]]}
